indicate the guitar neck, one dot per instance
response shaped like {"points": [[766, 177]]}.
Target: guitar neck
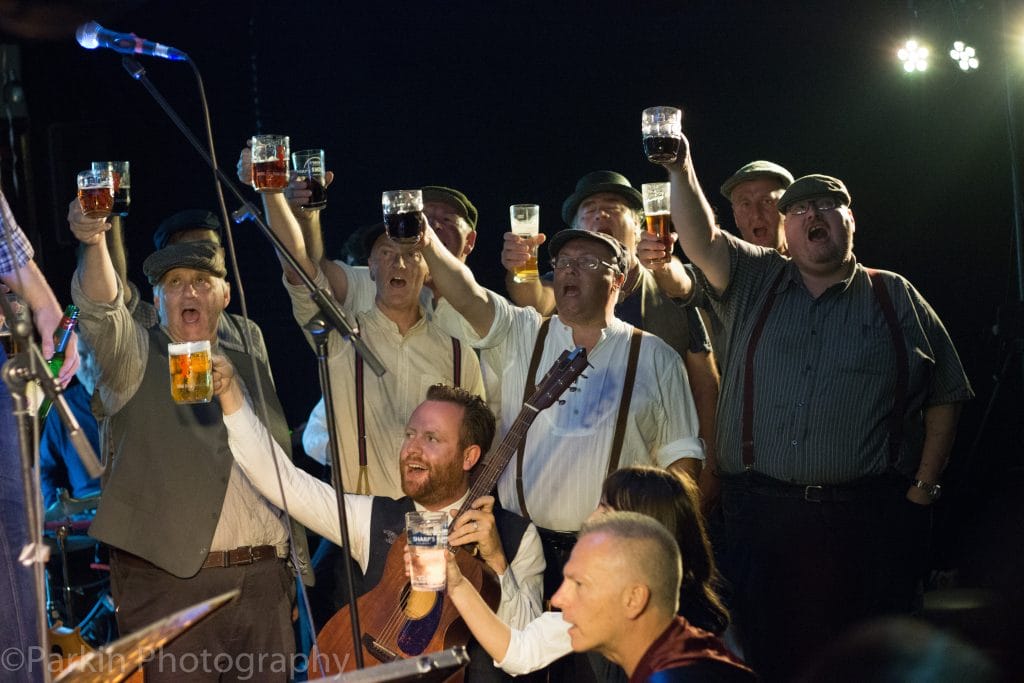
{"points": [[498, 458]]}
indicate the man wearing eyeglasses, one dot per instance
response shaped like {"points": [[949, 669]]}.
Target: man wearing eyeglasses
{"points": [[183, 521], [611, 421], [840, 398]]}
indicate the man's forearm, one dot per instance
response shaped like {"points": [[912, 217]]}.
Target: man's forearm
{"points": [[701, 240], [534, 293], [939, 432]]}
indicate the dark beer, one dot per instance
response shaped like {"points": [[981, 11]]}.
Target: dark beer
{"points": [[122, 196], [662, 149], [404, 228], [318, 198], [96, 202], [659, 225], [270, 175]]}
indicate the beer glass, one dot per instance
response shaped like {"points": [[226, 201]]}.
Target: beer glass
{"points": [[657, 209], [309, 166], [403, 215], [122, 184], [663, 133], [191, 372], [525, 219], [269, 163], [96, 193], [428, 539]]}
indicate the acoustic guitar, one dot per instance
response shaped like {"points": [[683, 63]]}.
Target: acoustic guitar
{"points": [[400, 623]]}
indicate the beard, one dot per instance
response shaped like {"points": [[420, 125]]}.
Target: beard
{"points": [[442, 483]]}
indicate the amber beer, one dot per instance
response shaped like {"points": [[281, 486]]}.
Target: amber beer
{"points": [[122, 181], [269, 163], [660, 225], [191, 372], [96, 193]]}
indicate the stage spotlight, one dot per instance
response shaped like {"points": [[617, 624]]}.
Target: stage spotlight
{"points": [[914, 56], [964, 56]]}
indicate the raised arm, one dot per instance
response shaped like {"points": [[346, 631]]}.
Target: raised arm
{"points": [[702, 241], [96, 271], [455, 282]]}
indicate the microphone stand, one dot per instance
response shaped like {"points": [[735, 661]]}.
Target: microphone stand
{"points": [[333, 318], [16, 375]]}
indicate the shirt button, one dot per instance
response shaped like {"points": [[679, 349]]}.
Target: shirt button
{"points": [[793, 442]]}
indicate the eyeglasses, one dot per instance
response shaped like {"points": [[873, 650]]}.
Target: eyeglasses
{"points": [[820, 204], [582, 262]]}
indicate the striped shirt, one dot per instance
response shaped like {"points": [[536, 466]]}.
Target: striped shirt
{"points": [[824, 371], [15, 249]]}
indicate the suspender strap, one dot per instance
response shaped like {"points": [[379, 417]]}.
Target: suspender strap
{"points": [[363, 484], [627, 398], [748, 373], [531, 381], [899, 401], [456, 363]]}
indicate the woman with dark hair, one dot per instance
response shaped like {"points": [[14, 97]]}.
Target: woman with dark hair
{"points": [[672, 500]]}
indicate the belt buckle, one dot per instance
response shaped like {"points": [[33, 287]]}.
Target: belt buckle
{"points": [[247, 557], [813, 493]]}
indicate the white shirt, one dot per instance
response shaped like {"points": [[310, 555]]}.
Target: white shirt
{"points": [[568, 446], [539, 643], [314, 504], [422, 357]]}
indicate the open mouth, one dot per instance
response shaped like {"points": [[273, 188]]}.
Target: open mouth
{"points": [[760, 233], [817, 233], [397, 282], [190, 316], [570, 290]]}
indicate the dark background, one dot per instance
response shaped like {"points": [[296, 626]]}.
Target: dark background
{"points": [[513, 102]]}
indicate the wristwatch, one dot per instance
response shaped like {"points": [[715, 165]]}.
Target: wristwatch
{"points": [[933, 491]]}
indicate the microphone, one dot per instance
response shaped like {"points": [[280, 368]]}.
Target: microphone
{"points": [[91, 36]]}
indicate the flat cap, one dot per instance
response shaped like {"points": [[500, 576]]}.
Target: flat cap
{"points": [[191, 219], [561, 237], [753, 171], [454, 199], [205, 256], [815, 185]]}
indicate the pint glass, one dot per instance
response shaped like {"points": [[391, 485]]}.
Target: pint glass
{"points": [[428, 539], [525, 220], [96, 193], [308, 165], [269, 163], [403, 215], [662, 129], [122, 182], [191, 372], [657, 209]]}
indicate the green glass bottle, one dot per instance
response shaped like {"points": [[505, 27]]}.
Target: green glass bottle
{"points": [[61, 338]]}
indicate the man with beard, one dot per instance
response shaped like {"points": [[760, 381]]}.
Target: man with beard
{"points": [[839, 404], [754, 191], [443, 440]]}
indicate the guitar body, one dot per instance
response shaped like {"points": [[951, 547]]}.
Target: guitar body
{"points": [[398, 623]]}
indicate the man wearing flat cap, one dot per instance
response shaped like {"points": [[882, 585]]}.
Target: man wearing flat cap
{"points": [[386, 302], [605, 202], [183, 521], [754, 191], [840, 397], [634, 407]]}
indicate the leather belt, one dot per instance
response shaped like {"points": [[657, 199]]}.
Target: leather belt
{"points": [[247, 554], [867, 488]]}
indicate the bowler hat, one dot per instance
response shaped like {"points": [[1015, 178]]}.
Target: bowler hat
{"points": [[600, 181], [815, 185], [753, 171]]}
